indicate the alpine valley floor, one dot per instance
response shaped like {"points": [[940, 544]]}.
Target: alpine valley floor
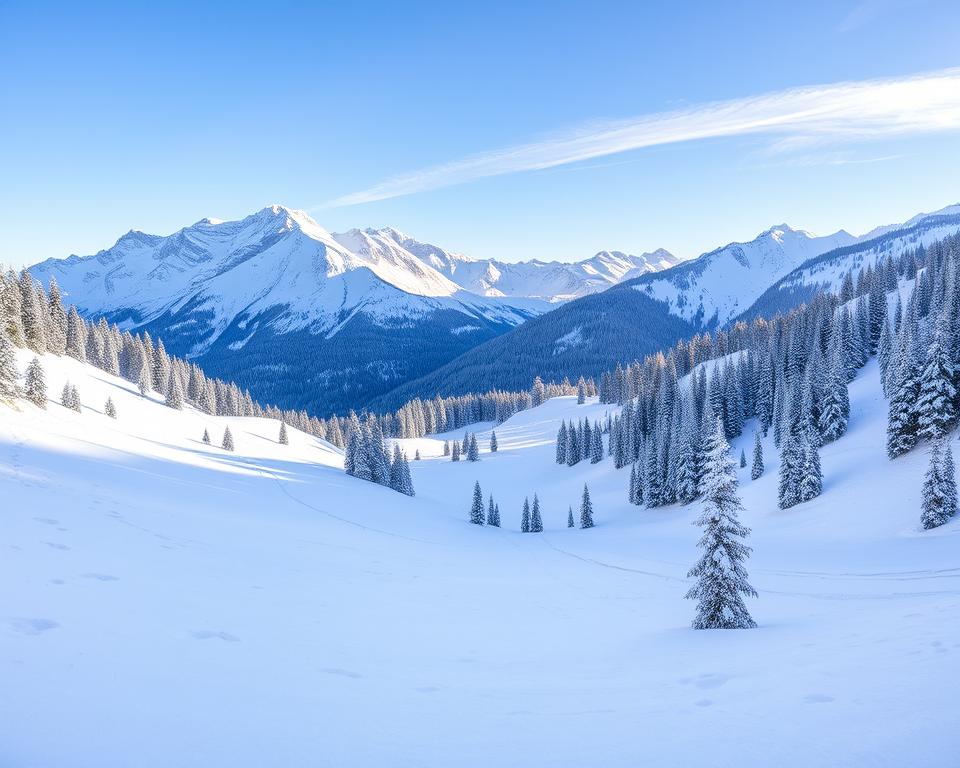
{"points": [[167, 603]]}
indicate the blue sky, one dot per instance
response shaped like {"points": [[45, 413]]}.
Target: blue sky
{"points": [[118, 117]]}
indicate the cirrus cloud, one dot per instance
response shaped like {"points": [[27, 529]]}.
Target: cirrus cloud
{"points": [[839, 112]]}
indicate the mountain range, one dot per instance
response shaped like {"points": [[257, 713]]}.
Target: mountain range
{"points": [[306, 318], [370, 318]]}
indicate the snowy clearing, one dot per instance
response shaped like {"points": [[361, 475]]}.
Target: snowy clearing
{"points": [[170, 603]]}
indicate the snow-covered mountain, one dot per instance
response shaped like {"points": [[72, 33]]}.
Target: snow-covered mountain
{"points": [[826, 272], [777, 270], [719, 285], [284, 307], [552, 281]]}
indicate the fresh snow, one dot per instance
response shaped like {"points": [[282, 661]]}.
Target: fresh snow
{"points": [[170, 603]]}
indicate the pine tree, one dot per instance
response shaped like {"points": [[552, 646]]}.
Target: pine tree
{"points": [[446, 447], [721, 578], [109, 409], [76, 336], [536, 522], [743, 458], [283, 439], [174, 396], [476, 509], [936, 407], [227, 443], [473, 451], [902, 424], [493, 442], [562, 443], [206, 437], [493, 514], [586, 510], [936, 506], [570, 523], [455, 453], [416, 455], [57, 338], [757, 469], [35, 384], [596, 445], [525, 517], [811, 479], [581, 391], [8, 368]]}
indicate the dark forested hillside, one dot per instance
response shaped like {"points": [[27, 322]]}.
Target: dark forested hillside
{"points": [[584, 337]]}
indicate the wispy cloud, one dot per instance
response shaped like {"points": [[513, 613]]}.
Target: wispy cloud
{"points": [[798, 117]]}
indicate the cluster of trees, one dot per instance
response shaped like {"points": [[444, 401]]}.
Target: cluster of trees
{"points": [[578, 442], [366, 457], [531, 519], [919, 358], [791, 373], [468, 449], [476, 509], [36, 319]]}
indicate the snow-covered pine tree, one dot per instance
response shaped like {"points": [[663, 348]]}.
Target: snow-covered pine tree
{"points": [[283, 439], [396, 470], [174, 396], [446, 447], [596, 445], [536, 521], [206, 437], [57, 338], [8, 368], [562, 443], [743, 458], [581, 391], [538, 394], [473, 450], [493, 441], [525, 517], [811, 478], [757, 469], [33, 314], [835, 406], [455, 452], [476, 508], [935, 507], [416, 455], [936, 407], [586, 509], [884, 351], [949, 477], [227, 443], [35, 383], [632, 487], [721, 577], [570, 523], [110, 409], [904, 387], [74, 398], [493, 514]]}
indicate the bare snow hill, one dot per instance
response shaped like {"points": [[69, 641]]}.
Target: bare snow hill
{"points": [[166, 602]]}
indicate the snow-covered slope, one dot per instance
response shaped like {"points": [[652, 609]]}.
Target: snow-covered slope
{"points": [[551, 281], [169, 603]]}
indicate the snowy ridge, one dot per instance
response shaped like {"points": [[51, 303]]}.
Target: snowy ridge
{"points": [[552, 281], [721, 285], [718, 286], [827, 271]]}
